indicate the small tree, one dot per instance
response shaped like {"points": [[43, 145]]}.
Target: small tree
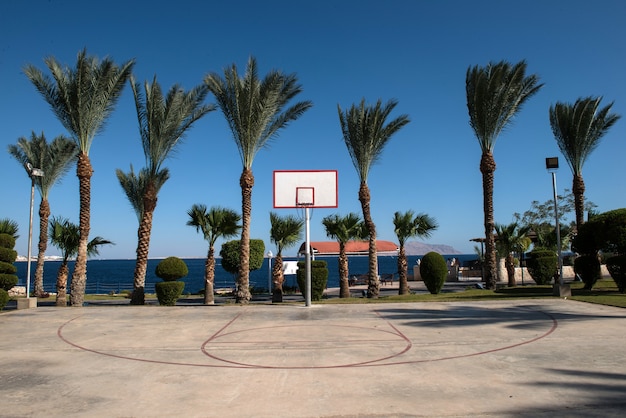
{"points": [[285, 232], [542, 265], [170, 270], [231, 252], [434, 271], [8, 255], [319, 278]]}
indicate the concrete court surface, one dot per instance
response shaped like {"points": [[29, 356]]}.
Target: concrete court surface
{"points": [[548, 358]]}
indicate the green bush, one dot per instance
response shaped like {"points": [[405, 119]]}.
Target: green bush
{"points": [[171, 269], [588, 268], [8, 255], [542, 265], [4, 298], [230, 255], [319, 278], [434, 271], [7, 241], [616, 266], [7, 268], [7, 281], [169, 292]]}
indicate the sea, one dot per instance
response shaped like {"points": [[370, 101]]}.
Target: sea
{"points": [[115, 276]]}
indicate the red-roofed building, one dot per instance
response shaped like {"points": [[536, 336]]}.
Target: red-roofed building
{"points": [[352, 247]]}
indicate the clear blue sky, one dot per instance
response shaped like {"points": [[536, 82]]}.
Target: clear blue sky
{"points": [[414, 51]]}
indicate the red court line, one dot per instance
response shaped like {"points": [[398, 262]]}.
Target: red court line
{"points": [[370, 363]]}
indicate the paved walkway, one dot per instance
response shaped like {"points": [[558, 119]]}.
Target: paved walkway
{"points": [[548, 358]]}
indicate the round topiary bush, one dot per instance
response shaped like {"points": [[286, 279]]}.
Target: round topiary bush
{"points": [[434, 271], [542, 265], [319, 278], [4, 298], [7, 241], [171, 269], [7, 281], [588, 268], [616, 266], [169, 292]]}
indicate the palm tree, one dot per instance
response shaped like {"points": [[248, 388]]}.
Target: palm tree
{"points": [[82, 99], [578, 129], [511, 239], [54, 159], [163, 122], [365, 133], [495, 94], [344, 229], [65, 235], [285, 232], [255, 111], [408, 225], [214, 223], [9, 227]]}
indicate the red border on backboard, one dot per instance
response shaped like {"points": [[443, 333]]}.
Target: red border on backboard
{"points": [[329, 196]]}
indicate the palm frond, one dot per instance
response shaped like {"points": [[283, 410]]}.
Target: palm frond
{"points": [[495, 94], [579, 127]]}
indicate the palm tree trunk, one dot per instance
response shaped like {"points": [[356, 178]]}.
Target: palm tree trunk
{"points": [[62, 284], [242, 295], [344, 284], [578, 188], [278, 278], [403, 283], [510, 269], [373, 284], [44, 214], [84, 171], [143, 245], [487, 168], [209, 277]]}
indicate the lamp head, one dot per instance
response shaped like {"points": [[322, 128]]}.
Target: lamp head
{"points": [[552, 163]]}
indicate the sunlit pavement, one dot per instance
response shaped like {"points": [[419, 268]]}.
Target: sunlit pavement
{"points": [[551, 357]]}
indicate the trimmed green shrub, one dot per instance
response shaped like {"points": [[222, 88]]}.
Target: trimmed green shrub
{"points": [[319, 278], [7, 281], [8, 255], [230, 255], [616, 266], [169, 292], [542, 265], [7, 241], [4, 298], [7, 268], [434, 271], [171, 269], [588, 268]]}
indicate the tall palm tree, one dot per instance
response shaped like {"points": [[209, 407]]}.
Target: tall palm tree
{"points": [[54, 159], [365, 133], [578, 129], [255, 111], [408, 225], [495, 94], [214, 223], [82, 99], [511, 239], [163, 122], [344, 229], [285, 232], [65, 235]]}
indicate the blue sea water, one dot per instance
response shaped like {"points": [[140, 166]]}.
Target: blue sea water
{"points": [[105, 276]]}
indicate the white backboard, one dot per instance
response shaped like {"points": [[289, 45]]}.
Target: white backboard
{"points": [[310, 188]]}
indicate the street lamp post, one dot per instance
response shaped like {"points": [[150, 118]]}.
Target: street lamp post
{"points": [[552, 164], [32, 173], [269, 271]]}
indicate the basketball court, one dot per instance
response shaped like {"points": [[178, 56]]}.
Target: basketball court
{"points": [[513, 358]]}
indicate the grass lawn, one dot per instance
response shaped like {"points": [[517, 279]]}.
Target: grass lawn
{"points": [[604, 292]]}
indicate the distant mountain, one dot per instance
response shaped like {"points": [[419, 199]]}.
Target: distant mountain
{"points": [[419, 248]]}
